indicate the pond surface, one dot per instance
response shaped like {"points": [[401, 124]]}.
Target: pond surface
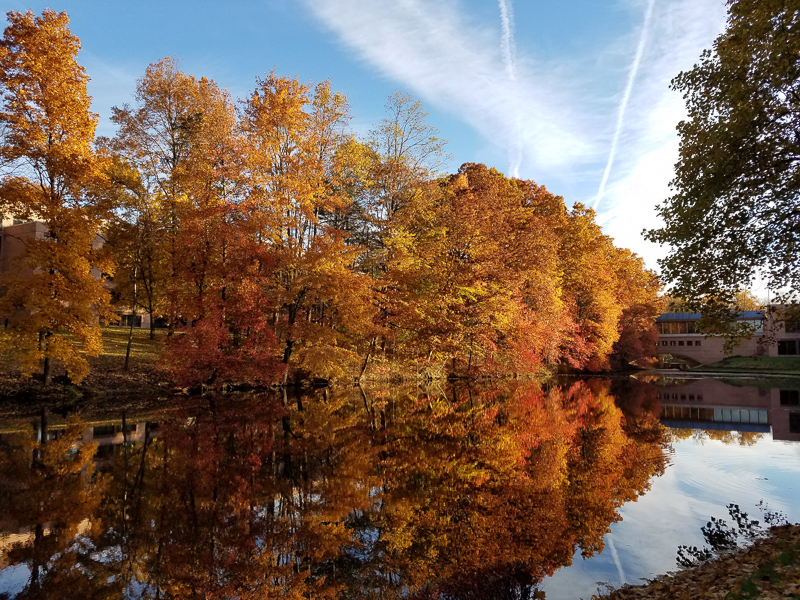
{"points": [[447, 491]]}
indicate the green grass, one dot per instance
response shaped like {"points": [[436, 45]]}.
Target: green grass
{"points": [[785, 365], [144, 351]]}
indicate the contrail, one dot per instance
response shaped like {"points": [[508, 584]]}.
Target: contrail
{"points": [[507, 46], [615, 556], [625, 97], [508, 50]]}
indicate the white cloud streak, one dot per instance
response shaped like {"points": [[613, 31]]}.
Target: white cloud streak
{"points": [[615, 556], [552, 116], [436, 51], [637, 59], [509, 52], [507, 45], [648, 145]]}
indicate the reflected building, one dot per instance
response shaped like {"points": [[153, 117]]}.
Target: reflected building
{"points": [[106, 433], [712, 405]]}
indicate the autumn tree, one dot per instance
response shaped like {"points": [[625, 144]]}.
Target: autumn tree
{"points": [[589, 284], [637, 291], [321, 303], [136, 241], [187, 233], [53, 175], [163, 138], [410, 152], [733, 214], [469, 248]]}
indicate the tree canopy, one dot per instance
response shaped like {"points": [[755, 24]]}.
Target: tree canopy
{"points": [[53, 174], [276, 243], [735, 212]]}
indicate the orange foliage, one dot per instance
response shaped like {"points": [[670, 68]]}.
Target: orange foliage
{"points": [[277, 243]]}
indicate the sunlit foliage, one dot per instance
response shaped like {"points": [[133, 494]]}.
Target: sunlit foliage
{"points": [[278, 246]]}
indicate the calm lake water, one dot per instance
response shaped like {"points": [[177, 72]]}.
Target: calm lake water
{"points": [[448, 491]]}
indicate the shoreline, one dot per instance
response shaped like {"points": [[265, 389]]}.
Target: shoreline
{"points": [[769, 568]]}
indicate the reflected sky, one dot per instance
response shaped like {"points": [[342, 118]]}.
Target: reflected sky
{"points": [[704, 477], [449, 491]]}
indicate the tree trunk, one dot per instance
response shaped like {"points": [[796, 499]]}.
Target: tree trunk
{"points": [[128, 347], [287, 354], [133, 318], [47, 376], [366, 359]]}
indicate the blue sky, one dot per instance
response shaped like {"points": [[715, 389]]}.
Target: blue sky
{"points": [[571, 93]]}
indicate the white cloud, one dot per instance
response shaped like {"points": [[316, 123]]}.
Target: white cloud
{"points": [[633, 71], [435, 50], [648, 149], [557, 112]]}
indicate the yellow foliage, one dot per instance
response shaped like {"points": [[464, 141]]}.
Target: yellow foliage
{"points": [[53, 300]]}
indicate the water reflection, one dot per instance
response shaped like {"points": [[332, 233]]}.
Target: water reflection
{"points": [[456, 492], [716, 406]]}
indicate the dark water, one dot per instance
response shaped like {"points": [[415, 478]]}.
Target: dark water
{"points": [[438, 492]]}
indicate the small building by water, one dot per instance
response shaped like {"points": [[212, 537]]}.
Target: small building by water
{"points": [[680, 336]]}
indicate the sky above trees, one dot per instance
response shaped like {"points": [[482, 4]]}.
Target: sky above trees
{"points": [[573, 95]]}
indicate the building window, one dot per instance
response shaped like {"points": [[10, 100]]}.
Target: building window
{"points": [[664, 343], [787, 348], [791, 326], [697, 342], [672, 343], [794, 422], [680, 343], [756, 324], [128, 320], [677, 327], [790, 397]]}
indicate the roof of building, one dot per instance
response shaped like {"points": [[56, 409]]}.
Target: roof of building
{"points": [[685, 316]]}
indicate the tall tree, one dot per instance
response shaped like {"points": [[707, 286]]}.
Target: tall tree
{"points": [[176, 137], [734, 213], [410, 151], [589, 286], [321, 304], [637, 292], [54, 176], [137, 242]]}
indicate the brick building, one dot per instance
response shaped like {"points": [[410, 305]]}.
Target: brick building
{"points": [[680, 336]]}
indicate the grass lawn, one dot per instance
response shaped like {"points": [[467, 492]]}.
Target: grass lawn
{"points": [[144, 351], [785, 365], [107, 375]]}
